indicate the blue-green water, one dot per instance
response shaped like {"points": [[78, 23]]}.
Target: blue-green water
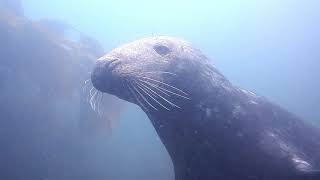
{"points": [[270, 47]]}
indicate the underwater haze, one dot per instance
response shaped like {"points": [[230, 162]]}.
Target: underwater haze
{"points": [[48, 128], [268, 46]]}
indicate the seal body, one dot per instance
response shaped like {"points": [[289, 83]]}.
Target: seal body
{"points": [[211, 129]]}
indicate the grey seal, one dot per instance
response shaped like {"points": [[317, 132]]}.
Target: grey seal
{"points": [[210, 128]]}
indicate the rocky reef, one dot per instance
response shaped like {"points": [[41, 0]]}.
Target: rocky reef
{"points": [[45, 120]]}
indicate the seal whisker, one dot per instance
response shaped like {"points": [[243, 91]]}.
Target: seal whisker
{"points": [[146, 86], [168, 85], [86, 92], [154, 86], [135, 96], [163, 72], [85, 85], [91, 91], [99, 104], [144, 98], [169, 102], [88, 80], [92, 99], [88, 98], [164, 89], [96, 102], [150, 95]]}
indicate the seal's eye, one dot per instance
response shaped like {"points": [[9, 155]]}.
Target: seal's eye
{"points": [[162, 50]]}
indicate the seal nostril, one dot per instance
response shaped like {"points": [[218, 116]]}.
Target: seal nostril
{"points": [[114, 64], [108, 62], [111, 64]]}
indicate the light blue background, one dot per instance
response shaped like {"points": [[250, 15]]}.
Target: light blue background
{"points": [[271, 47]]}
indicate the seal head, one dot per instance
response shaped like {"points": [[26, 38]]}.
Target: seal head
{"points": [[155, 67]]}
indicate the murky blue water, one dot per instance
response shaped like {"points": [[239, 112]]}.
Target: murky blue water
{"points": [[47, 127]]}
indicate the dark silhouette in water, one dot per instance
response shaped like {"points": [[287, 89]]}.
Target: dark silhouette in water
{"points": [[211, 129], [46, 124]]}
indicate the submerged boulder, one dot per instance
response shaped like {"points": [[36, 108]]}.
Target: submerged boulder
{"points": [[46, 121]]}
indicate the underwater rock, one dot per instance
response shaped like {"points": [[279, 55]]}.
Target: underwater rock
{"points": [[46, 123]]}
